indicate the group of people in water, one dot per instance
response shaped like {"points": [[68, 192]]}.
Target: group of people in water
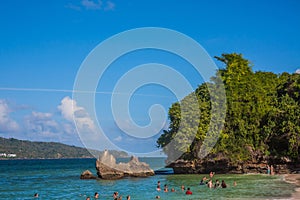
{"points": [[166, 189], [115, 196], [204, 181], [188, 191], [217, 184]]}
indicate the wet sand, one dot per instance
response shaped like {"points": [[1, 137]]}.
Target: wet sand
{"points": [[294, 179]]}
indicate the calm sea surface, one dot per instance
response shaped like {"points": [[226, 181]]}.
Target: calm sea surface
{"points": [[59, 179]]}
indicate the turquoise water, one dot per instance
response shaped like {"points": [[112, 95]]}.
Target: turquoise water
{"points": [[59, 179]]}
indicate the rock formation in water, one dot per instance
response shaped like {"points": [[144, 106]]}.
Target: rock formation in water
{"points": [[107, 168], [87, 175]]}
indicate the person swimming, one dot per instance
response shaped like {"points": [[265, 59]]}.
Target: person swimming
{"points": [[209, 184], [166, 188], [158, 188], [217, 184], [188, 192], [201, 183], [182, 187], [115, 195], [223, 184], [234, 183]]}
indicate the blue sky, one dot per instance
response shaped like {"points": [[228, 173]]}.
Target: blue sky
{"points": [[44, 44]]}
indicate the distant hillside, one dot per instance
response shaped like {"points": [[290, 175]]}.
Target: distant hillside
{"points": [[14, 148]]}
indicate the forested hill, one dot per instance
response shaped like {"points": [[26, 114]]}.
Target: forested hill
{"points": [[13, 148], [262, 119]]}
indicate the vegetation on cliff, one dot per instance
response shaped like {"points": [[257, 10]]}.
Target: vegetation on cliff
{"points": [[262, 115]]}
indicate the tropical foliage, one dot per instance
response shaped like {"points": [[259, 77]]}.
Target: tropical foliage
{"points": [[262, 114]]}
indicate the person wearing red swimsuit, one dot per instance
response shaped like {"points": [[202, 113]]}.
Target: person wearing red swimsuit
{"points": [[188, 192]]}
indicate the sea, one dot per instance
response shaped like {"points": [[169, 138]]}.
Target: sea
{"points": [[59, 179]]}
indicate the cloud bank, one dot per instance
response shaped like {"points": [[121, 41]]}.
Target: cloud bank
{"points": [[61, 125], [74, 113], [7, 124], [42, 126]]}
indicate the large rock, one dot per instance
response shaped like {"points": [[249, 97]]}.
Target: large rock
{"points": [[107, 168], [87, 175]]}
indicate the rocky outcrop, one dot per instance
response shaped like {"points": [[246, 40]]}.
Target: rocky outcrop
{"points": [[221, 164], [107, 168], [87, 175]]}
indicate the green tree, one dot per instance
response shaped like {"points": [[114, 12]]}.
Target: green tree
{"points": [[282, 124], [262, 115]]}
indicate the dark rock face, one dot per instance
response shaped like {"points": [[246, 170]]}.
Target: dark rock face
{"points": [[87, 175], [108, 169], [257, 164]]}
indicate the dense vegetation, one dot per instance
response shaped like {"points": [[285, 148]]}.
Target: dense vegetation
{"points": [[28, 149], [262, 115]]}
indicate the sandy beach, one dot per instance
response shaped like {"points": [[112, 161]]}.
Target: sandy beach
{"points": [[294, 179]]}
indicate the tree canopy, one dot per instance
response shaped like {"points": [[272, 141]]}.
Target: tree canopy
{"points": [[262, 114]]}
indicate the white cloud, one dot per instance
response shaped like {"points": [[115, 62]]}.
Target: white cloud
{"points": [[41, 116], [109, 6], [89, 134], [53, 126], [41, 125], [118, 139], [6, 123], [69, 128], [297, 71], [66, 108], [74, 113], [91, 5]]}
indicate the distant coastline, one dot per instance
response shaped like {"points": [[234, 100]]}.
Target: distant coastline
{"points": [[70, 158], [22, 149]]}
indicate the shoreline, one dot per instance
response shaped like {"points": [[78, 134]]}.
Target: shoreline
{"points": [[293, 179]]}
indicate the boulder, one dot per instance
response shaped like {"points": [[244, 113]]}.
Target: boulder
{"points": [[107, 168], [105, 172], [87, 175]]}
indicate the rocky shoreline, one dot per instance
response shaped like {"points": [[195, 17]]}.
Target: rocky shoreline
{"points": [[224, 166]]}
